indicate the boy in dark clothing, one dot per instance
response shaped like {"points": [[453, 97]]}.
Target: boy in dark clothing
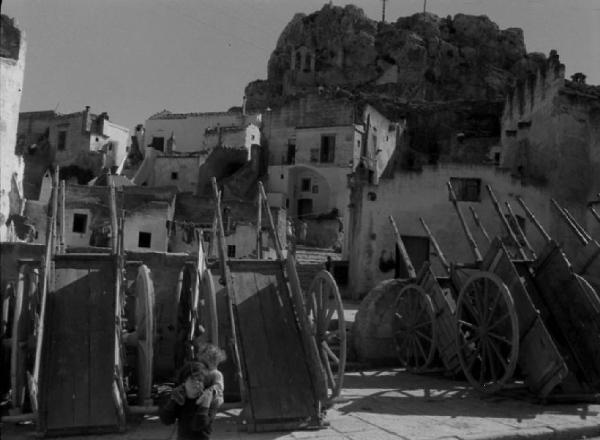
{"points": [[194, 402]]}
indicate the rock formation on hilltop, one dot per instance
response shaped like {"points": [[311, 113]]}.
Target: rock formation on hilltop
{"points": [[418, 58]]}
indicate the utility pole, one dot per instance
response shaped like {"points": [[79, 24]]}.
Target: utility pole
{"points": [[424, 6], [383, 10]]}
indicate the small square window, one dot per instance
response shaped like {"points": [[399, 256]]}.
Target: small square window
{"points": [[144, 239], [79, 223], [305, 185], [231, 251], [174, 175], [467, 189]]}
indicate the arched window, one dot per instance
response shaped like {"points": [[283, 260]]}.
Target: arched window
{"points": [[298, 60]]}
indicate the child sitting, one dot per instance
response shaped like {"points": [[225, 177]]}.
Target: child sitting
{"points": [[194, 402]]}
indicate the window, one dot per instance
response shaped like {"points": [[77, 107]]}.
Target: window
{"points": [[298, 61], [305, 185], [467, 189], [231, 250], [158, 143], [315, 189], [174, 175], [62, 140], [314, 154], [291, 152], [327, 148], [496, 158], [374, 142], [79, 223], [252, 137], [144, 239]]}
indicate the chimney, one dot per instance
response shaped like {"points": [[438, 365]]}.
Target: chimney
{"points": [[86, 120], [244, 105]]}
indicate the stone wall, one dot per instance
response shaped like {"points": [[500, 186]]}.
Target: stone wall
{"points": [[189, 129], [408, 196], [12, 66], [551, 136]]}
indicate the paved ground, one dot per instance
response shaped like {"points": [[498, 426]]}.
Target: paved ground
{"points": [[392, 404]]}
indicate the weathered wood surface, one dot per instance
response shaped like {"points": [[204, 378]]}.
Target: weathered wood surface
{"points": [[539, 358], [280, 383], [573, 313], [445, 308], [78, 350]]}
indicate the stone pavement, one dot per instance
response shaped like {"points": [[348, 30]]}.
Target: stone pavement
{"points": [[393, 404]]}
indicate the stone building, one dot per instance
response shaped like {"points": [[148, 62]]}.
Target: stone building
{"points": [[194, 218], [201, 131], [12, 66], [409, 195], [551, 138], [80, 143], [315, 142]]}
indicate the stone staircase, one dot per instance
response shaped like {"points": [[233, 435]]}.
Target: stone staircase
{"points": [[309, 261]]}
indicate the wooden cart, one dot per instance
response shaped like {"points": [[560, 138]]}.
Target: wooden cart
{"points": [[496, 325], [281, 341], [570, 305]]}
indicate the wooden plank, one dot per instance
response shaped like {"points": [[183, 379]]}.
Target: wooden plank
{"points": [[100, 308], [572, 312], [539, 357], [77, 372], [279, 385]]}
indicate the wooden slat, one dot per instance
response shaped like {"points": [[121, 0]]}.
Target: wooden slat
{"points": [[572, 312]]}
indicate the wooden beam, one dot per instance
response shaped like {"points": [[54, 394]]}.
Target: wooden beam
{"points": [[534, 220], [569, 223], [505, 222], [480, 225], [520, 231], [436, 246], [412, 274], [272, 230], [259, 227], [228, 281]]}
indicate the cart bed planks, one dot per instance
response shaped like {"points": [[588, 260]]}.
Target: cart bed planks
{"points": [[573, 310], [539, 358], [78, 354], [282, 385]]}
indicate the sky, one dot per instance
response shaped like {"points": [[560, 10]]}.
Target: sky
{"points": [[134, 58]]}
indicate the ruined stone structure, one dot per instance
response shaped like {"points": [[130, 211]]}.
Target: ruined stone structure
{"points": [[551, 137], [202, 131], [81, 144], [12, 66]]}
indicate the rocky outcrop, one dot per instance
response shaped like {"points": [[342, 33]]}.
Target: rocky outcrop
{"points": [[421, 57]]}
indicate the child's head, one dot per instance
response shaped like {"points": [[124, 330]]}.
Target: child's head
{"points": [[192, 376], [208, 354]]}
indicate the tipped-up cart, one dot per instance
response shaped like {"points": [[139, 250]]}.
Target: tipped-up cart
{"points": [[493, 321]]}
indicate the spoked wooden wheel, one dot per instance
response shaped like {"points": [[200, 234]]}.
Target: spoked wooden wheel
{"points": [[415, 328], [196, 312], [326, 317], [25, 323], [487, 332], [207, 308], [145, 327]]}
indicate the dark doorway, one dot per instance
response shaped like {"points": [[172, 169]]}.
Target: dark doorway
{"points": [[305, 207], [417, 248]]}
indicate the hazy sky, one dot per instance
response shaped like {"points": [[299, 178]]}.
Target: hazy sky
{"points": [[133, 58]]}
